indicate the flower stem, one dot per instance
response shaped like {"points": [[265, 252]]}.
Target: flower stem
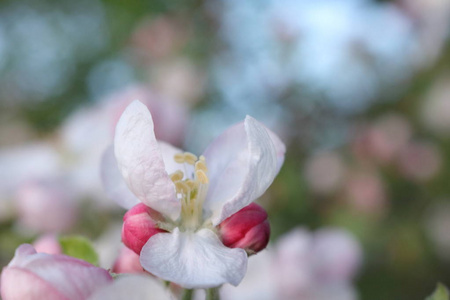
{"points": [[212, 294], [188, 293]]}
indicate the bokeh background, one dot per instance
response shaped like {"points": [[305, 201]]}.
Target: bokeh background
{"points": [[359, 90]]}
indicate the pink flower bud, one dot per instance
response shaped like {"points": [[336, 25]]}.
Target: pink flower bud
{"points": [[139, 224], [248, 229]]}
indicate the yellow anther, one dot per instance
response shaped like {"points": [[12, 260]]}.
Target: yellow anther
{"points": [[182, 187], [191, 184], [201, 165], [202, 158], [176, 176], [190, 158], [179, 158], [201, 176]]}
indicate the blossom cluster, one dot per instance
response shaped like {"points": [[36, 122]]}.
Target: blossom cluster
{"points": [[191, 220]]}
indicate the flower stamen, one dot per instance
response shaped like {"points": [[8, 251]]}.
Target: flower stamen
{"points": [[190, 158], [179, 158], [201, 176], [176, 176], [191, 191]]}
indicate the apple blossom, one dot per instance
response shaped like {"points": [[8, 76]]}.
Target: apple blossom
{"points": [[192, 194], [31, 275]]}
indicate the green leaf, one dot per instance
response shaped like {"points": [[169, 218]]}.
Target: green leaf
{"points": [[79, 247], [441, 293]]}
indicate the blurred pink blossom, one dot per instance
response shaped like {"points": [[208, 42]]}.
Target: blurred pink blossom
{"points": [[156, 44], [31, 275], [383, 140], [365, 192], [160, 37], [302, 266], [292, 257], [179, 79], [310, 264], [46, 206], [325, 172], [337, 255], [420, 161]]}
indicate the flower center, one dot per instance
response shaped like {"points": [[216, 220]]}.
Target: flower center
{"points": [[191, 186]]}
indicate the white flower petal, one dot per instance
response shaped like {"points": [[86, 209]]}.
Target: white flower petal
{"points": [[113, 183], [280, 148], [133, 287], [140, 161], [242, 164], [193, 260], [168, 152]]}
